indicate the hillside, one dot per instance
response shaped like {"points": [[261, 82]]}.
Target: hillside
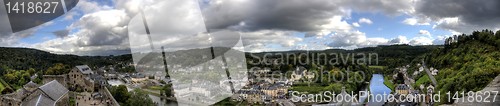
{"points": [[25, 58], [468, 62], [391, 56]]}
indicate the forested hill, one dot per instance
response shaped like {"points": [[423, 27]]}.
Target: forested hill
{"points": [[25, 58], [468, 62], [391, 56]]}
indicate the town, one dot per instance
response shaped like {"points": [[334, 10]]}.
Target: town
{"points": [[82, 86]]}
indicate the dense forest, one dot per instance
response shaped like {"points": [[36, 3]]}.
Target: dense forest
{"points": [[26, 58], [467, 62], [391, 56], [20, 65]]}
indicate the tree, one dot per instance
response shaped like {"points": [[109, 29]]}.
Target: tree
{"points": [[120, 93], [7, 90], [497, 35], [167, 89], [139, 98], [57, 69]]}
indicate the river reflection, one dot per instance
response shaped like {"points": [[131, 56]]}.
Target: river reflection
{"points": [[377, 87], [161, 102]]}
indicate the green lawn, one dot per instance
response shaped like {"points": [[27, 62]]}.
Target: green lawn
{"points": [[377, 67], [388, 83], [1, 87], [155, 87], [423, 80], [309, 89]]}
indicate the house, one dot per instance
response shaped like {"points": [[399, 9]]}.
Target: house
{"points": [[262, 71], [55, 92], [62, 79], [32, 90], [50, 94], [299, 73], [430, 89], [93, 85], [434, 72], [241, 95], [255, 97], [15, 99], [138, 77], [402, 89], [79, 78], [275, 91], [159, 75], [82, 77]]}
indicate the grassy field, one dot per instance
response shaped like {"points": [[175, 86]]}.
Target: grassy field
{"points": [[423, 80], [155, 87], [309, 89], [377, 67], [388, 83], [1, 87]]}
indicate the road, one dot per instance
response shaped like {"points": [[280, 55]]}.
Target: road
{"points": [[434, 82]]}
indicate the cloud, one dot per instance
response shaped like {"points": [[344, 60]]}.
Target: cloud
{"points": [[88, 6], [424, 32], [283, 38], [399, 40], [187, 30], [356, 24], [416, 21], [296, 15], [365, 21], [61, 33], [96, 33], [389, 7], [353, 40], [102, 28], [9, 40], [261, 23], [358, 39], [461, 15], [67, 45], [420, 40], [440, 40]]}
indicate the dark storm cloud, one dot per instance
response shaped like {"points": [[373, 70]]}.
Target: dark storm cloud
{"points": [[472, 13], [61, 33], [296, 15]]}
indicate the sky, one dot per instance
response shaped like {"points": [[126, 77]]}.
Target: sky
{"points": [[107, 27]]}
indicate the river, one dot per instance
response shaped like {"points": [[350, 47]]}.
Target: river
{"points": [[377, 87], [162, 102]]}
